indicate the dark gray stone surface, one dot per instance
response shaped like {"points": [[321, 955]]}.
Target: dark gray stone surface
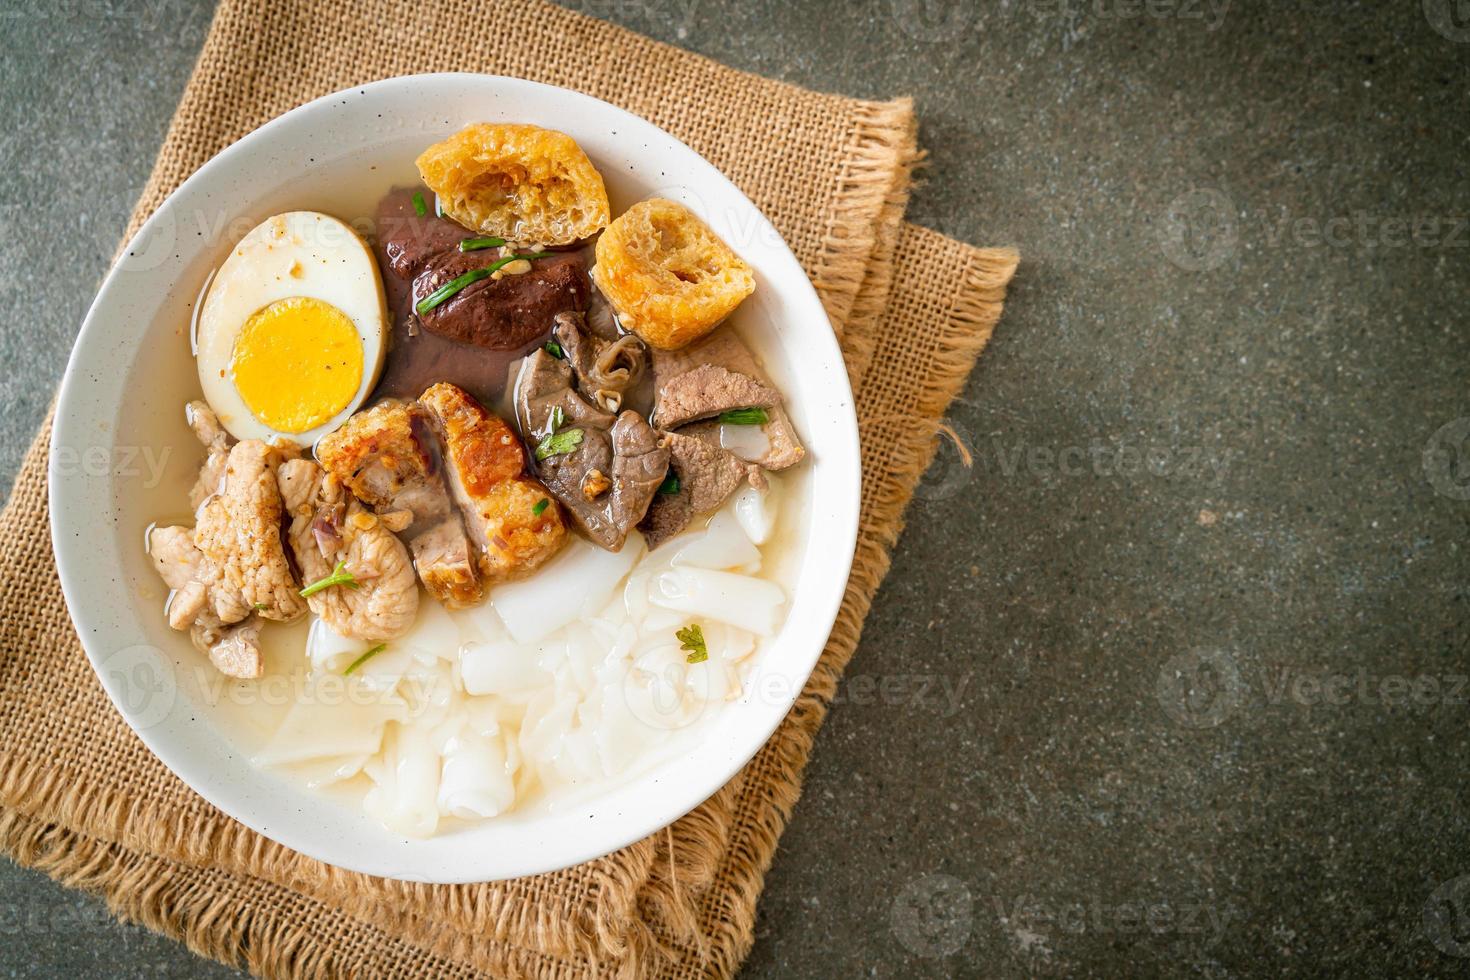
{"points": [[1172, 680]]}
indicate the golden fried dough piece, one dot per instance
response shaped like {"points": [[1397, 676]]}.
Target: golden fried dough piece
{"points": [[669, 276], [485, 466], [521, 183]]}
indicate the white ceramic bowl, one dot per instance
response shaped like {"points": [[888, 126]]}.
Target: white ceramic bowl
{"points": [[123, 458]]}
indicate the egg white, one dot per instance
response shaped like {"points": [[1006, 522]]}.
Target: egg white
{"points": [[299, 253]]}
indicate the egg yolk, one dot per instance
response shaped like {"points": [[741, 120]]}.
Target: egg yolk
{"points": [[297, 363]]}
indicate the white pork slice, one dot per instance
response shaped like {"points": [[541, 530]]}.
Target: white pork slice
{"points": [[373, 595]]}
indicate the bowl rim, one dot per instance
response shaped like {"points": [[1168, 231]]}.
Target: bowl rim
{"points": [[823, 599]]}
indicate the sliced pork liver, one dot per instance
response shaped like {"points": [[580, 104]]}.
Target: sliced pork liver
{"points": [[604, 370], [706, 391], [607, 480], [640, 462], [780, 446], [775, 448], [707, 475]]}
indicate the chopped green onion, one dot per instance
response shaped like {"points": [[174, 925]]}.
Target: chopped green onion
{"points": [[691, 638], [558, 418], [452, 287], [554, 349], [340, 576], [541, 505], [371, 653], [259, 606], [419, 207], [744, 416], [557, 443], [670, 485], [474, 244]]}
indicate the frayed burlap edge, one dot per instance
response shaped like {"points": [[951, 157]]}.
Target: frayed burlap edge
{"points": [[876, 170], [66, 799], [861, 336], [196, 908]]}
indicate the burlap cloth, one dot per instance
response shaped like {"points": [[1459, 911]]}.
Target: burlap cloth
{"points": [[83, 800]]}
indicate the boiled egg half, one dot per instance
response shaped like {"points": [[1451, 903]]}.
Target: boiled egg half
{"points": [[290, 337]]}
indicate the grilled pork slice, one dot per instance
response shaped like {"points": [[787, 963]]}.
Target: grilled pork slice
{"points": [[328, 529], [509, 515], [233, 648], [389, 458], [181, 566]]}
